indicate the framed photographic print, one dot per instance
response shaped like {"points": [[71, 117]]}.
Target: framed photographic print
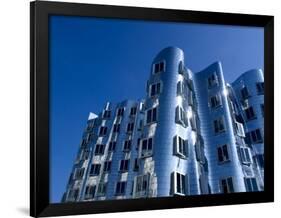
{"points": [[142, 109]]}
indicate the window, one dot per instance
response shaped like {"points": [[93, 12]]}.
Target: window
{"points": [[120, 188], [107, 166], [192, 121], [106, 114], [127, 145], [130, 127], [255, 136], [79, 173], [181, 88], [95, 170], [73, 194], [260, 88], [103, 130], [244, 93], [146, 147], [136, 164], [133, 111], [99, 150], [260, 160], [212, 80], [90, 191], [239, 129], [190, 98], [199, 149], [223, 155], [120, 111], [226, 185], [116, 128], [102, 189], [245, 155], [181, 116], [178, 183], [262, 109], [180, 147], [124, 165], [215, 101], [141, 185], [112, 146], [219, 125], [250, 114], [151, 115], [251, 184], [158, 67], [155, 89]]}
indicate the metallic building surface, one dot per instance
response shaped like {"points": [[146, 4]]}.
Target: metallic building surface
{"points": [[166, 144]]}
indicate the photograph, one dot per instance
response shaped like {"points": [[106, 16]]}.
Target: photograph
{"points": [[152, 109]]}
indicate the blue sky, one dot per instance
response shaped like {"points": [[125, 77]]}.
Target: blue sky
{"points": [[94, 60]]}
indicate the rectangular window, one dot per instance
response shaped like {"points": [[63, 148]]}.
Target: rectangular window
{"points": [[226, 185], [103, 130], [256, 136], [262, 109], [106, 114], [155, 89], [136, 164], [107, 166], [178, 183], [251, 184], [250, 113], [215, 101], [120, 188], [181, 116], [130, 127], [124, 165], [127, 145], [223, 154], [239, 129], [219, 125], [141, 185], [180, 147], [112, 146], [90, 191], [101, 189], [116, 128], [158, 67], [99, 150], [133, 111], [95, 170], [260, 88], [120, 111], [213, 80], [192, 121], [245, 93], [199, 149], [260, 160], [151, 115], [146, 147], [73, 194], [79, 173], [181, 88], [245, 155]]}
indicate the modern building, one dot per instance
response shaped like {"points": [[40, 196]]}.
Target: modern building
{"points": [[192, 134]]}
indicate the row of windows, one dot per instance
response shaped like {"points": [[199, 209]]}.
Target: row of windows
{"points": [[245, 92], [120, 112], [223, 154], [179, 186], [151, 117]]}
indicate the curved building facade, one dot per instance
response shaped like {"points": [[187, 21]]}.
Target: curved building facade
{"points": [[186, 137]]}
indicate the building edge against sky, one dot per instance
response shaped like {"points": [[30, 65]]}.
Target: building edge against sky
{"points": [[192, 134]]}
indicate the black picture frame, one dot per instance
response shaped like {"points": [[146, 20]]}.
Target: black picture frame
{"points": [[39, 108]]}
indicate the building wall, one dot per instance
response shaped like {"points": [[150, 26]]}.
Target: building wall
{"points": [[250, 79], [173, 139]]}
